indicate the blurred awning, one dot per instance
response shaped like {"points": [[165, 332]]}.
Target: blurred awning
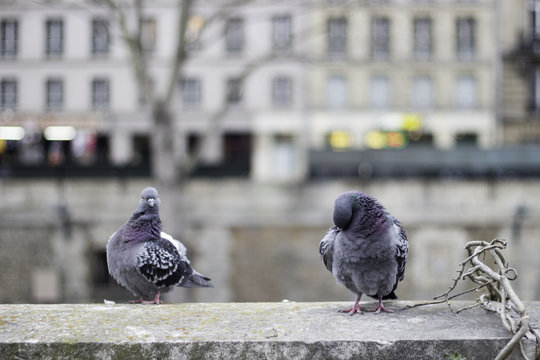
{"points": [[40, 121]]}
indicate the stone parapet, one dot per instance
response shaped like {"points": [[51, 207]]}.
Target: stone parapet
{"points": [[286, 330]]}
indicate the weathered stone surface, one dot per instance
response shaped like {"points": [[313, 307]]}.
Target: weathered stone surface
{"points": [[286, 330]]}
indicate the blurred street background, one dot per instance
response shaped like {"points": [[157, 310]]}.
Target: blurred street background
{"points": [[250, 118]]}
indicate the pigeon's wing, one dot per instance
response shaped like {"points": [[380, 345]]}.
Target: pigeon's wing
{"points": [[179, 246], [326, 247], [402, 249], [160, 262], [402, 246]]}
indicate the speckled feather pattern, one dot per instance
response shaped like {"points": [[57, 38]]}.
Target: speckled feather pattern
{"points": [[366, 250]]}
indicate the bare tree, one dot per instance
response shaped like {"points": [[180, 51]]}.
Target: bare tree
{"points": [[166, 170], [169, 171]]}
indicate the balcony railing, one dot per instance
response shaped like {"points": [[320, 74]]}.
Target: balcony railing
{"points": [[419, 161]]}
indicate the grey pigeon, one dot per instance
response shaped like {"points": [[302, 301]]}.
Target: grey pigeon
{"points": [[366, 250], [147, 261]]}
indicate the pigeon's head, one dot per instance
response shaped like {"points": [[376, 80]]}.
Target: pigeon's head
{"points": [[147, 212], [345, 205], [149, 199]]}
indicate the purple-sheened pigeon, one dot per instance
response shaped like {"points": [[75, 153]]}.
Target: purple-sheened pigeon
{"points": [[366, 250], [147, 261]]}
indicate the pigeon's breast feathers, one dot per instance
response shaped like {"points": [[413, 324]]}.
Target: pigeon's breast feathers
{"points": [[145, 223]]}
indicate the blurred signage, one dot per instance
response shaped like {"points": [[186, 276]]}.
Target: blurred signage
{"points": [[339, 140], [411, 122], [397, 131], [386, 139]]}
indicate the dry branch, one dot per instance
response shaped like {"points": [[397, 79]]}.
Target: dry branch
{"points": [[500, 297]]}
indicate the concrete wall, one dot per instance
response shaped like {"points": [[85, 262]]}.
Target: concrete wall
{"points": [[258, 242], [249, 331]]}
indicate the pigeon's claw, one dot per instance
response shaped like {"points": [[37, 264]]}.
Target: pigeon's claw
{"points": [[156, 300], [356, 309], [380, 307], [352, 311]]}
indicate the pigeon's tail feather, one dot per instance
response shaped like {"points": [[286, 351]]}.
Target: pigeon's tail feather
{"points": [[196, 280], [390, 296]]}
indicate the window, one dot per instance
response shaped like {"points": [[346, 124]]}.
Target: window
{"points": [[337, 35], [8, 37], [534, 101], [534, 11], [234, 92], [234, 35], [281, 33], [284, 157], [465, 38], [141, 149], [465, 92], [55, 37], [100, 94], [423, 40], [8, 97], [422, 92], [149, 85], [191, 92], [336, 92], [466, 139], [54, 94], [195, 25], [149, 35], [237, 150], [100, 37], [282, 91], [379, 92], [380, 38]]}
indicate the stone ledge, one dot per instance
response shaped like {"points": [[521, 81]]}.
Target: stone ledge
{"points": [[286, 330]]}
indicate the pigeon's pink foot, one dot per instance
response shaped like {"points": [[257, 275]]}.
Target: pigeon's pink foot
{"points": [[356, 309], [142, 301], [380, 308]]}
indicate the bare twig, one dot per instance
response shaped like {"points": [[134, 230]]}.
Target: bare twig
{"points": [[500, 297], [133, 41], [184, 7]]}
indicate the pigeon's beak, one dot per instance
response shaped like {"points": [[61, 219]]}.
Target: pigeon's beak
{"points": [[151, 202]]}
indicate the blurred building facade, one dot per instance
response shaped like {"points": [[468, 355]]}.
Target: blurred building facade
{"points": [[339, 75], [423, 67], [520, 115], [407, 100], [65, 64]]}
